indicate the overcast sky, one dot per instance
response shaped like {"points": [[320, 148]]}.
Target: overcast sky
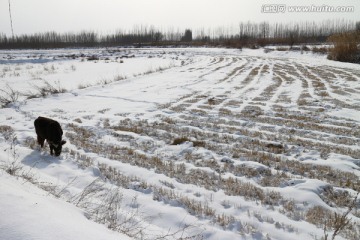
{"points": [[105, 16]]}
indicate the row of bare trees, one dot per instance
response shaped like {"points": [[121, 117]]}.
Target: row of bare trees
{"points": [[246, 33]]}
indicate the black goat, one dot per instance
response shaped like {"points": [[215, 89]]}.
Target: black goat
{"points": [[49, 130]]}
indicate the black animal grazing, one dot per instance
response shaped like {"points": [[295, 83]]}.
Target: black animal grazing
{"points": [[49, 130]]}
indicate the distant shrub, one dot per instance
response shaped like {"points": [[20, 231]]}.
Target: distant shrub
{"points": [[93, 58], [320, 50], [178, 141], [8, 96], [345, 48], [295, 48], [7, 132], [78, 120], [181, 140], [49, 89], [45, 90], [253, 46], [282, 49], [211, 101], [199, 144], [305, 48], [82, 85], [267, 50]]}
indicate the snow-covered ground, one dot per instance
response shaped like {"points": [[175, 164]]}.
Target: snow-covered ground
{"points": [[179, 142]]}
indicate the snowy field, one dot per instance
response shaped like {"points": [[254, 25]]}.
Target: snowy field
{"points": [[180, 144]]}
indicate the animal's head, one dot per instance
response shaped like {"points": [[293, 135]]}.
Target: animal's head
{"points": [[58, 147]]}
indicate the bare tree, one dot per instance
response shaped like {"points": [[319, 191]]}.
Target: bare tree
{"points": [[187, 36]]}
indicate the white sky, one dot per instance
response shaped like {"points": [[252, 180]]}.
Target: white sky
{"points": [[105, 16]]}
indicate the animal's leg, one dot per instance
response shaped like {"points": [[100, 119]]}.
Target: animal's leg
{"points": [[40, 141], [51, 149]]}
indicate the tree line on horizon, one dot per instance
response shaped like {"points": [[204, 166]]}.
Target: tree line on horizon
{"points": [[246, 34]]}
